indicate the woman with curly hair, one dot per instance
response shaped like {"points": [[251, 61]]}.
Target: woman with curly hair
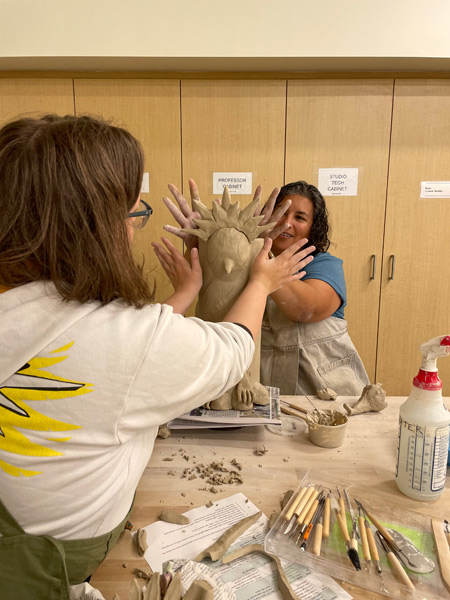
{"points": [[305, 345]]}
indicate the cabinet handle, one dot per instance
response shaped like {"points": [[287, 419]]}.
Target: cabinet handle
{"points": [[392, 257], [374, 265]]}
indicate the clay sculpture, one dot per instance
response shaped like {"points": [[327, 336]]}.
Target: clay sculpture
{"points": [[373, 398], [228, 244]]}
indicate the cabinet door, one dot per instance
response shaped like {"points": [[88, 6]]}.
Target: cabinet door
{"points": [[150, 110], [35, 97], [415, 295], [347, 124], [233, 126]]}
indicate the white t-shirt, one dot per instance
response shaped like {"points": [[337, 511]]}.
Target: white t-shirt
{"points": [[83, 389]]}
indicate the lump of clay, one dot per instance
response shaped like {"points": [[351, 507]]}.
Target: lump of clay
{"points": [[218, 549], [373, 398], [170, 516], [326, 394], [164, 431]]}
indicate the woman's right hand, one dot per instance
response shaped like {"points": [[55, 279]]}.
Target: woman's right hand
{"points": [[288, 266]]}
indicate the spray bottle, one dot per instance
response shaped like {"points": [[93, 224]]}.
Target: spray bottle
{"points": [[423, 436]]}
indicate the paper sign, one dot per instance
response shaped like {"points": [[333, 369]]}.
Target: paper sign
{"points": [[435, 189], [338, 182], [237, 183], [145, 189]]}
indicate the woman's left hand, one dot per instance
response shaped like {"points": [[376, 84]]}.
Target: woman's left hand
{"points": [[186, 277], [269, 215]]}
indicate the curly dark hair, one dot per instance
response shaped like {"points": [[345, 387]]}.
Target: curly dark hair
{"points": [[321, 229]]}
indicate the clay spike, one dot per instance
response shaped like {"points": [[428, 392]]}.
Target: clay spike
{"points": [[204, 211], [226, 200], [200, 233]]}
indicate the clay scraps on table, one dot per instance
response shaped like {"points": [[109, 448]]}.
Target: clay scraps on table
{"points": [[215, 473], [218, 549], [141, 541], [170, 516], [326, 394], [286, 591]]}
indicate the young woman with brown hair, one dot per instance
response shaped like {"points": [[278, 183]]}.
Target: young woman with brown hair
{"points": [[89, 367]]}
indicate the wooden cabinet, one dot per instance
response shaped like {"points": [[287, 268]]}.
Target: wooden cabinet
{"points": [[347, 124], [282, 131], [35, 97], [233, 126], [150, 109], [415, 289]]}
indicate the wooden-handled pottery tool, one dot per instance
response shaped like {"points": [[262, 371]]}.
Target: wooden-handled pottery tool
{"points": [[351, 552], [443, 550], [326, 516], [299, 508], [388, 537], [395, 563], [313, 523]]}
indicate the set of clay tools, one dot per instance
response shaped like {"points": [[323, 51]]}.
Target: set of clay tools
{"points": [[313, 509]]}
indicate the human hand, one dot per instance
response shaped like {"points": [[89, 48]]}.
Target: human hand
{"points": [[186, 277], [184, 215], [285, 268], [269, 215]]}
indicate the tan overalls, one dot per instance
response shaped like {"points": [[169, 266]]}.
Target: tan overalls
{"points": [[306, 357]]}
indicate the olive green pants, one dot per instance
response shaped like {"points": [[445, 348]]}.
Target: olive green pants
{"points": [[42, 567]]}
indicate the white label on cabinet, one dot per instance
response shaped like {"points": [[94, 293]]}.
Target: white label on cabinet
{"points": [[338, 182], [435, 189], [237, 183], [145, 189]]}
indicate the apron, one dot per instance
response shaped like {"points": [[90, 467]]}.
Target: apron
{"points": [[306, 357], [42, 567]]}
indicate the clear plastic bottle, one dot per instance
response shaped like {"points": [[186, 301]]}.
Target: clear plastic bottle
{"points": [[423, 436]]}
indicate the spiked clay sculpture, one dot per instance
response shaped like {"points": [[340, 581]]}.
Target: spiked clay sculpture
{"points": [[228, 244]]}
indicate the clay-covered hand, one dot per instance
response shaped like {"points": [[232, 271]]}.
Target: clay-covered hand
{"points": [[285, 268], [183, 213], [271, 216], [185, 277]]}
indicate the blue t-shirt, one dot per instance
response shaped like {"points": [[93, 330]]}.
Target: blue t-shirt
{"points": [[329, 269]]}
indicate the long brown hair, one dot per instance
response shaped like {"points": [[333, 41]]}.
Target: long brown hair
{"points": [[66, 187]]}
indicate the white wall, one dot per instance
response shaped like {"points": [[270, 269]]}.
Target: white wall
{"points": [[177, 33]]}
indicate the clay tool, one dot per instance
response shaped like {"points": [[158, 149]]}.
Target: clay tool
{"points": [[422, 563], [312, 524], [395, 563], [447, 531], [302, 516], [318, 533], [292, 413], [289, 515], [387, 536], [443, 550], [364, 540], [326, 516], [305, 498], [309, 400], [295, 407], [342, 509], [354, 536], [372, 547], [351, 552], [310, 514]]}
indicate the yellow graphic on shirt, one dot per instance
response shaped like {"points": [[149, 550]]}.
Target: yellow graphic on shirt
{"points": [[31, 383]]}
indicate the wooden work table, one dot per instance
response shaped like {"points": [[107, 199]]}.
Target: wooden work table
{"points": [[366, 458]]}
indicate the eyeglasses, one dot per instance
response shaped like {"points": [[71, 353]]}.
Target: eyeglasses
{"points": [[141, 216]]}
